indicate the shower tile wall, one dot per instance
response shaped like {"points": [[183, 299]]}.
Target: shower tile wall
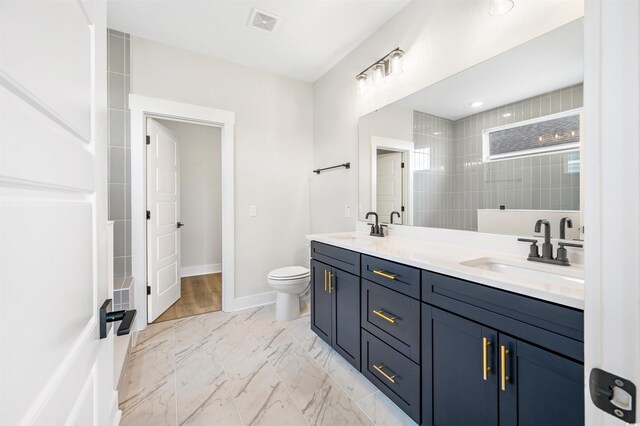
{"points": [[449, 197], [119, 150]]}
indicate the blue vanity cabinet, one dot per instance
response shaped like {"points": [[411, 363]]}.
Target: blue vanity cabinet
{"points": [[345, 292], [321, 315], [335, 299], [543, 388], [459, 370], [491, 357]]}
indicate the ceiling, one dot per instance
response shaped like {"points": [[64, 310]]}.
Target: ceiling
{"points": [[312, 37], [550, 62]]}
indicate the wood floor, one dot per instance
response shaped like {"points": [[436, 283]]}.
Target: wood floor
{"points": [[200, 294]]}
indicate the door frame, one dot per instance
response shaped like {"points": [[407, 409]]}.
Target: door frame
{"points": [[406, 148], [143, 107]]}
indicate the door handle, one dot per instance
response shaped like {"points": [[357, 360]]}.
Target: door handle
{"points": [[503, 366], [485, 363], [179, 225], [330, 279], [379, 369], [384, 274], [107, 316], [381, 314]]}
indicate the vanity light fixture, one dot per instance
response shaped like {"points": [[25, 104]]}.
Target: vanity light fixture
{"points": [[362, 83], [476, 104], [378, 71], [500, 7], [395, 62], [390, 64]]}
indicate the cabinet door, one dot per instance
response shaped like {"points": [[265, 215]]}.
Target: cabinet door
{"points": [[541, 388], [456, 388], [320, 301], [345, 289]]}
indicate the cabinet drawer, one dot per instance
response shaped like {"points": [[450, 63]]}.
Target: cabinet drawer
{"points": [[395, 276], [393, 373], [556, 327], [346, 260], [392, 317]]}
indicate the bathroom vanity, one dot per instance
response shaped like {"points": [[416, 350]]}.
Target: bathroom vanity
{"points": [[449, 338]]}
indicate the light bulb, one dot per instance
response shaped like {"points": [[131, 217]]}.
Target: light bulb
{"points": [[378, 73], [395, 62], [362, 83], [500, 7]]}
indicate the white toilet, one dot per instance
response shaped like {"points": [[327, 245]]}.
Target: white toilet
{"points": [[289, 282]]}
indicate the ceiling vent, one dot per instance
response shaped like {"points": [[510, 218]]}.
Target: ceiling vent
{"points": [[263, 21]]}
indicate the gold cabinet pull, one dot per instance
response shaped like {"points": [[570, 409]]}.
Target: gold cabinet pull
{"points": [[325, 279], [503, 365], [384, 274], [380, 313], [485, 367], [379, 369], [330, 275]]}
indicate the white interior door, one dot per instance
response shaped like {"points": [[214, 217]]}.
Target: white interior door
{"points": [[389, 186], [163, 203], [54, 368]]}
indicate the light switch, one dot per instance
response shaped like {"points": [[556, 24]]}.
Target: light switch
{"points": [[347, 211], [253, 211]]}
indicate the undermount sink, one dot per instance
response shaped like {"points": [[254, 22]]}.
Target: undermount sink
{"points": [[355, 239], [523, 269]]}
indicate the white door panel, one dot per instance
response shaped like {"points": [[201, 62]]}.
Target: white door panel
{"points": [[46, 49], [163, 236], [167, 246], [166, 212], [28, 159], [389, 185], [53, 221]]}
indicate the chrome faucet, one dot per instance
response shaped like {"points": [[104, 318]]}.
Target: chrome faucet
{"points": [[565, 222], [376, 230], [547, 247]]}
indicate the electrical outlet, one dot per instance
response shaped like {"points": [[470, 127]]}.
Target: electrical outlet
{"points": [[253, 211], [347, 211]]}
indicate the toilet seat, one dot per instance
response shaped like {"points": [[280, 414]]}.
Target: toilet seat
{"points": [[289, 273]]}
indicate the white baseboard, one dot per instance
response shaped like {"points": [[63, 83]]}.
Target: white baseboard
{"points": [[254, 300], [190, 271]]}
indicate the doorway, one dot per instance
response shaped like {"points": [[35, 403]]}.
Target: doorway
{"points": [[143, 107], [184, 244], [392, 179]]}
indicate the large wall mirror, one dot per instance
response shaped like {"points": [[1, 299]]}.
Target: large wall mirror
{"points": [[490, 149]]}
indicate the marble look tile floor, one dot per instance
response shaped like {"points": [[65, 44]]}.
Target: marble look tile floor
{"points": [[244, 368]]}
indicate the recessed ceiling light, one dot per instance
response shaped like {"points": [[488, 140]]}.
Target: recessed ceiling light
{"points": [[500, 7], [476, 104], [506, 114]]}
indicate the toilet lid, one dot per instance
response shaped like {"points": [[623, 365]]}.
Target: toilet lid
{"points": [[289, 273]]}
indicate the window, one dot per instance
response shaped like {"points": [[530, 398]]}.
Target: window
{"points": [[551, 133]]}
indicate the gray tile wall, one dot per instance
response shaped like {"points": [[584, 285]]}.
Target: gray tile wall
{"points": [[450, 197], [119, 150]]}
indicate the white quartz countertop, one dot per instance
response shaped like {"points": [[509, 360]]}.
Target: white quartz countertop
{"points": [[447, 259]]}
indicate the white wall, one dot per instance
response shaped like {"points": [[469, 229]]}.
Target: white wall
{"points": [[273, 148], [440, 38], [200, 197]]}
